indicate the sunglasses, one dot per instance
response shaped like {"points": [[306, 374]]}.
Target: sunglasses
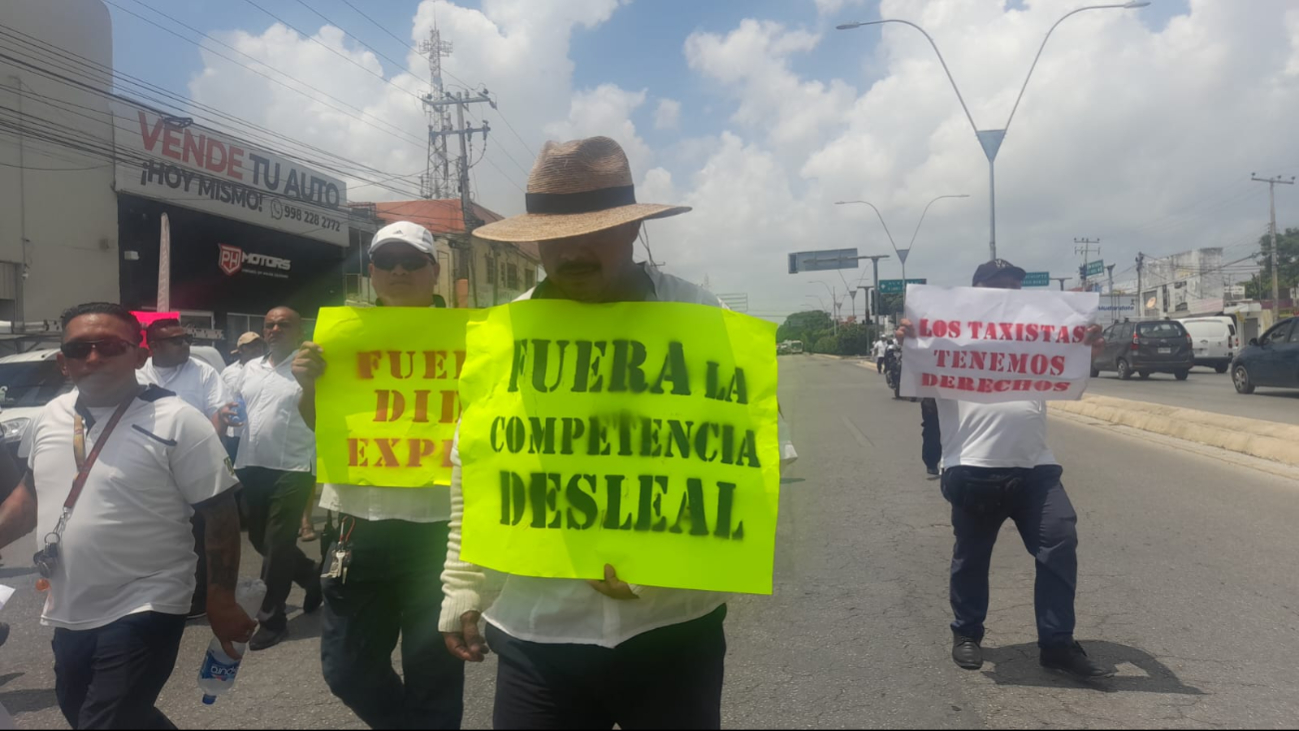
{"points": [[80, 349], [409, 262], [185, 339]]}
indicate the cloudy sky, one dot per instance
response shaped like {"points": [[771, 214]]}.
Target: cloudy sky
{"points": [[1139, 127]]}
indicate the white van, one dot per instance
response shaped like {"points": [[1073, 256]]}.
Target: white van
{"points": [[1214, 341]]}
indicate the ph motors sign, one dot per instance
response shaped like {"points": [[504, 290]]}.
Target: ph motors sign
{"points": [[175, 161], [232, 260]]}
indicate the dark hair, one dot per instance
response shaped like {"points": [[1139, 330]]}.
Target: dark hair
{"points": [[157, 325], [102, 308]]}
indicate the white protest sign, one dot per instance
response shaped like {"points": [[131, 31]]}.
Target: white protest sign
{"points": [[995, 345], [5, 593]]}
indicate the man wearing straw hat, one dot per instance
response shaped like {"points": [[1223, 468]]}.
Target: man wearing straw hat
{"points": [[575, 653]]}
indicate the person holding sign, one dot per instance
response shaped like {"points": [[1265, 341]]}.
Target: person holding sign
{"points": [[997, 465], [276, 464], [576, 653], [384, 580]]}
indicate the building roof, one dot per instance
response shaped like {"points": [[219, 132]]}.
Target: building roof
{"points": [[443, 218]]}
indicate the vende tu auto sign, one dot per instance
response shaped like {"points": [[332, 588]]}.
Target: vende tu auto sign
{"points": [[194, 167], [233, 260]]}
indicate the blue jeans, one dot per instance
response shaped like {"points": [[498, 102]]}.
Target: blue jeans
{"points": [[1048, 525]]}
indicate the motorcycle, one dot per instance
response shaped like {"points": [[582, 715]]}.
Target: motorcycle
{"points": [[893, 371]]}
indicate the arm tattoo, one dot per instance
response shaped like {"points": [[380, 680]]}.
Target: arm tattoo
{"points": [[221, 531]]}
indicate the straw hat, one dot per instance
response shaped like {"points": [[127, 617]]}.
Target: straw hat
{"points": [[577, 188]]}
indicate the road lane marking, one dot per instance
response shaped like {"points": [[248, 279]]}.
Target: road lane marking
{"points": [[862, 439]]}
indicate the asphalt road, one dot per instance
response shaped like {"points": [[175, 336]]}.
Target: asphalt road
{"points": [[1187, 588], [1203, 390]]}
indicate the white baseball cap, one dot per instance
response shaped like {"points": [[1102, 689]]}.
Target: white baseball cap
{"points": [[405, 232]]}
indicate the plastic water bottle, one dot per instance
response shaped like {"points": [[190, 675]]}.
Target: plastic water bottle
{"points": [[217, 674], [241, 411]]}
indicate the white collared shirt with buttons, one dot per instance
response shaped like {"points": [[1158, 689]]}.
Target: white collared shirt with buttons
{"points": [[275, 436], [195, 382], [568, 611]]}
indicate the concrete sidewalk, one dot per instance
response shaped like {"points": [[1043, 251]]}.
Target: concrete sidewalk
{"points": [[1256, 437]]}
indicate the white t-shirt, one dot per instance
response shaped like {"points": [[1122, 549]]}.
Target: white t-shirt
{"points": [[275, 436], [128, 546], [1011, 434], [197, 383]]}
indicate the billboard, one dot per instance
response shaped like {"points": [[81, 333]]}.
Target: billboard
{"points": [[186, 165]]}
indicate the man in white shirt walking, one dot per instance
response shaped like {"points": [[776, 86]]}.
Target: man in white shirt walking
{"points": [[396, 542], [116, 469], [997, 465], [573, 653], [249, 346], [170, 366], [880, 347], [276, 464]]}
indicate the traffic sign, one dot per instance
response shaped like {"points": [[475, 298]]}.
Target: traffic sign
{"points": [[1037, 279], [819, 261], [894, 286], [1095, 268]]}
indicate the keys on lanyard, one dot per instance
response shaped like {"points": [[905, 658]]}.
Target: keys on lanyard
{"points": [[342, 553]]}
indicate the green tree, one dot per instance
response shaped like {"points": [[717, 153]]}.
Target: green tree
{"points": [[826, 344], [1287, 245], [854, 339], [808, 327]]}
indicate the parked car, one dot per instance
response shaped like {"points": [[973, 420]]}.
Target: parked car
{"points": [[1272, 360], [1152, 346], [28, 381], [1214, 342]]}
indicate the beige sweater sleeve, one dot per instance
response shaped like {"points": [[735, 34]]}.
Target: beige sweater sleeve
{"points": [[465, 587]]}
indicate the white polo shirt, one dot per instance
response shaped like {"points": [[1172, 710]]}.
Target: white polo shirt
{"points": [[1010, 434], [275, 436], [128, 546], [195, 382]]}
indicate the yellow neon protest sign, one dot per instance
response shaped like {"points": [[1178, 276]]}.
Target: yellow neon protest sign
{"points": [[387, 404], [642, 435]]}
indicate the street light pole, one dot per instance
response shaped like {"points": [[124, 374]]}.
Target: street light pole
{"points": [[902, 253], [990, 139]]}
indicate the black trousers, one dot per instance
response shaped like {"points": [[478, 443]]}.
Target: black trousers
{"points": [[668, 678], [393, 589], [931, 448], [1047, 524], [275, 500], [110, 677]]}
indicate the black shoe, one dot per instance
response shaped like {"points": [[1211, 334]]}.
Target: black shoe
{"points": [[315, 597], [4, 632], [1073, 661], [966, 652], [933, 471], [265, 637]]}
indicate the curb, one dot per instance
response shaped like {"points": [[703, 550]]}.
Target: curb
{"points": [[1268, 440], [1264, 439]]}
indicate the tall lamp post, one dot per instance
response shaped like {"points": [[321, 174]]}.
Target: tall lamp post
{"points": [[990, 139], [902, 253]]}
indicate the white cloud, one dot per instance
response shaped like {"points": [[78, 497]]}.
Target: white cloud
{"points": [[1144, 138], [830, 7], [668, 114]]}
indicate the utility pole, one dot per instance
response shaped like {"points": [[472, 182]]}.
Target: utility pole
{"points": [[1084, 246], [1141, 295], [1061, 280], [460, 100], [1271, 201], [875, 304], [436, 181]]}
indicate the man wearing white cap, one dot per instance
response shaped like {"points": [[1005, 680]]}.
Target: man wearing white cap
{"points": [[396, 540]]}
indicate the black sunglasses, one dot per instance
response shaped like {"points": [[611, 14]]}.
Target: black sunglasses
{"points": [[80, 349], [409, 262]]}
